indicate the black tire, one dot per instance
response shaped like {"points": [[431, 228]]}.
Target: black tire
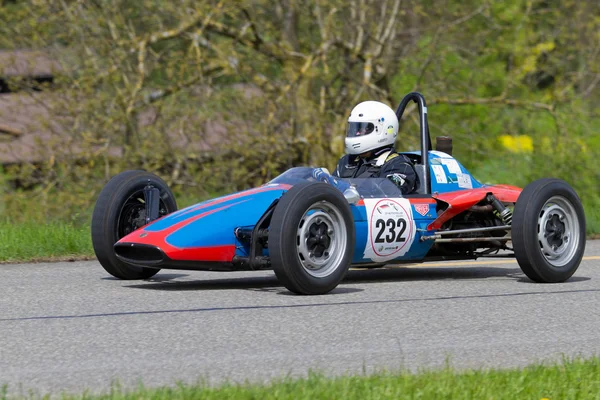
{"points": [[552, 207], [290, 219], [107, 229]]}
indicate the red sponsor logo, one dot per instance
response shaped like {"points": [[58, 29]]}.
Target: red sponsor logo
{"points": [[422, 209]]}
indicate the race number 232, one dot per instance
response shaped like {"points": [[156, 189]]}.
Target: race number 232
{"points": [[390, 230]]}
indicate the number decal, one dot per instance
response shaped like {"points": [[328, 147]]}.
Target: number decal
{"points": [[402, 226], [390, 236], [380, 224], [391, 229], [392, 225]]}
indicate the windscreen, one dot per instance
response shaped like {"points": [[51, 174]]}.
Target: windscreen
{"points": [[367, 187], [375, 187]]}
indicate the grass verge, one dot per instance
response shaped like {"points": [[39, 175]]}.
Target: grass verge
{"points": [[54, 241], [571, 379], [28, 241]]}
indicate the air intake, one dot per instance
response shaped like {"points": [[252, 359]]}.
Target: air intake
{"points": [[139, 253]]}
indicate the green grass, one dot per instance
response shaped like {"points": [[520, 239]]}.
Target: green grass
{"points": [[42, 235], [592, 220], [27, 241], [571, 379]]}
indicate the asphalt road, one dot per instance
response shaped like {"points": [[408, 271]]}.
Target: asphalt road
{"points": [[69, 326]]}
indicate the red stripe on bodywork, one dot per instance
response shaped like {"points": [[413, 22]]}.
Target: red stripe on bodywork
{"points": [[421, 200], [461, 200], [158, 239], [412, 200], [215, 253]]}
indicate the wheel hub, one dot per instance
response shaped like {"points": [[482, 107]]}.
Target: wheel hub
{"points": [[558, 231], [321, 239], [318, 241], [555, 230]]}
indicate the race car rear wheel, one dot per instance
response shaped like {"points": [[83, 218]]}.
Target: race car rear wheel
{"points": [[548, 231], [311, 238], [120, 210]]}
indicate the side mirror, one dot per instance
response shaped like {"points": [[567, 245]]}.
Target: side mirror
{"points": [[352, 195]]}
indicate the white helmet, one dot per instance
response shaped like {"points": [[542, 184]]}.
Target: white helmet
{"points": [[371, 125]]}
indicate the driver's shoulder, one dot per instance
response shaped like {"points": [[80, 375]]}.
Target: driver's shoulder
{"points": [[395, 157], [348, 159]]}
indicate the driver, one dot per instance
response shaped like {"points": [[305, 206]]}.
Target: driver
{"points": [[372, 131]]}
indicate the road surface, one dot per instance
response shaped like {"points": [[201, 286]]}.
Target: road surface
{"points": [[70, 327]]}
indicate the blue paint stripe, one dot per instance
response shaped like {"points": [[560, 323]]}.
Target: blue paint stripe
{"points": [[217, 229], [185, 213]]}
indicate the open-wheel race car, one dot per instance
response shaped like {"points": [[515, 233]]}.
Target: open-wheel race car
{"points": [[311, 232]]}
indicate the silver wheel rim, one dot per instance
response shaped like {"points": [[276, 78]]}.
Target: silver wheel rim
{"points": [[321, 239], [558, 231]]}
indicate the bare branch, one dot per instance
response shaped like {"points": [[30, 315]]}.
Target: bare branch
{"points": [[319, 18], [348, 47], [501, 100], [456, 22], [310, 61], [493, 100], [358, 42], [7, 130], [141, 76], [429, 59], [383, 11], [368, 69], [256, 44], [591, 87], [163, 93], [184, 27], [257, 36], [467, 17], [382, 39]]}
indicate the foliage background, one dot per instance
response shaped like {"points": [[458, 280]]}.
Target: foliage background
{"points": [[217, 96]]}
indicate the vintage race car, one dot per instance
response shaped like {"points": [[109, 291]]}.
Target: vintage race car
{"points": [[311, 228]]}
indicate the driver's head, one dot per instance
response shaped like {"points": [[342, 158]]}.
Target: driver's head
{"points": [[371, 125]]}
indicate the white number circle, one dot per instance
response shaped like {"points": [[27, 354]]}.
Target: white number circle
{"points": [[391, 228]]}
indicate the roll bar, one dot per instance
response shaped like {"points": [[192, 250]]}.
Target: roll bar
{"points": [[425, 138]]}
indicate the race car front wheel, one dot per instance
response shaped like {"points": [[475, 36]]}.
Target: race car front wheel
{"points": [[548, 231], [311, 238], [120, 210]]}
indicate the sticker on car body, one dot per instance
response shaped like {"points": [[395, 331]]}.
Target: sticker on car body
{"points": [[391, 229], [452, 165], [464, 181], [440, 154], [422, 209], [440, 174]]}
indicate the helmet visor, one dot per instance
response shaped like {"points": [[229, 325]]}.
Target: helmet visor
{"points": [[359, 129]]}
